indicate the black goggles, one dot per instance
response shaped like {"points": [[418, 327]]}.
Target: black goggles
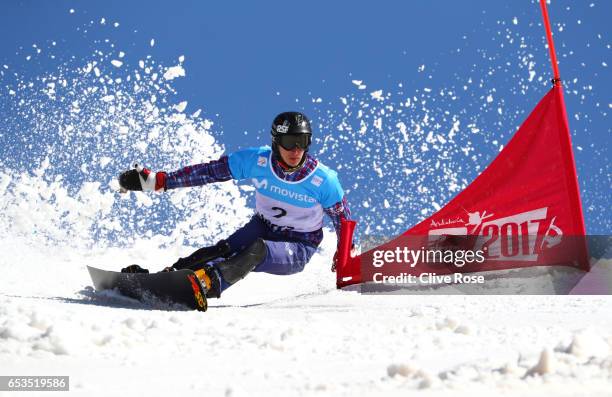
{"points": [[291, 141]]}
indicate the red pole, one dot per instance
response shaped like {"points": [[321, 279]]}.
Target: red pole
{"points": [[344, 251], [573, 179], [551, 45]]}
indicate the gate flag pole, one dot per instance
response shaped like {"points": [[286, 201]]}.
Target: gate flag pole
{"points": [[551, 45], [572, 180]]}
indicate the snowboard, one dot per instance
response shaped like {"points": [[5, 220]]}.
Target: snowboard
{"points": [[181, 286]]}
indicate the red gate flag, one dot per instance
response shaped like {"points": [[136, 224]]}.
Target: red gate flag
{"points": [[523, 210]]}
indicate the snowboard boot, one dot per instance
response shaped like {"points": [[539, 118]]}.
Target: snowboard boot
{"points": [[202, 256], [211, 281], [233, 269], [238, 266]]}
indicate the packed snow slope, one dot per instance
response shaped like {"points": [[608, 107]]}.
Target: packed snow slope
{"points": [[292, 336]]}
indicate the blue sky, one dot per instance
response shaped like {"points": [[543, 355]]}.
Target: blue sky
{"points": [[247, 61], [240, 54]]}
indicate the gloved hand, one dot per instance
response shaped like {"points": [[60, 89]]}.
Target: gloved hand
{"points": [[335, 260], [142, 179]]}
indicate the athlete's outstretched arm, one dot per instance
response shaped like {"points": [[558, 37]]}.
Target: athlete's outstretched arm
{"points": [[237, 165], [199, 174]]}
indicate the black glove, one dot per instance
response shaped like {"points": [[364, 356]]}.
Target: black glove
{"points": [[333, 267], [134, 269], [142, 179]]}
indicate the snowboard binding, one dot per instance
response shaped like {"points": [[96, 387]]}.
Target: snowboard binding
{"points": [[134, 269]]}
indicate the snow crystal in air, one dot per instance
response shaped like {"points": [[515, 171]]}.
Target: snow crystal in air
{"points": [[174, 72], [359, 84], [181, 106], [378, 123], [454, 129], [378, 95], [152, 42], [116, 63]]}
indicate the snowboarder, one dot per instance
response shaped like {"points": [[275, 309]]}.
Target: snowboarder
{"points": [[293, 190]]}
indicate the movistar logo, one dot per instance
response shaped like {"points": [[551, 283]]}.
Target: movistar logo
{"points": [[260, 185], [263, 184], [292, 194]]}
